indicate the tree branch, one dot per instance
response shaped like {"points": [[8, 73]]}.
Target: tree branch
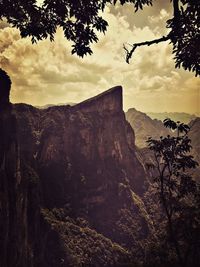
{"points": [[148, 43], [176, 8]]}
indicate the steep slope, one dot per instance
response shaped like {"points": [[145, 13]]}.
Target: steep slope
{"points": [[70, 182], [144, 126]]}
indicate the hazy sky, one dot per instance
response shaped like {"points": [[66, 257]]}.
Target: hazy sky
{"points": [[48, 73]]}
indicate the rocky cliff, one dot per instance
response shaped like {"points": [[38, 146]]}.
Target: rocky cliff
{"points": [[71, 185]]}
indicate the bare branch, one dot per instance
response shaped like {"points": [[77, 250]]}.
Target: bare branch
{"points": [[129, 53]]}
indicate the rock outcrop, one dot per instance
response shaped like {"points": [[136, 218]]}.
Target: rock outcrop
{"points": [[5, 86], [70, 182]]}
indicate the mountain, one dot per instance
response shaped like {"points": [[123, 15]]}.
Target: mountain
{"points": [[144, 126], [71, 185], [175, 116], [197, 114]]}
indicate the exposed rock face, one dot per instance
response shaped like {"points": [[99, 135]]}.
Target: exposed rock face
{"points": [[67, 174], [5, 85], [19, 194]]}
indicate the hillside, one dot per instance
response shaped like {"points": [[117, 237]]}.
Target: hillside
{"points": [[144, 126]]}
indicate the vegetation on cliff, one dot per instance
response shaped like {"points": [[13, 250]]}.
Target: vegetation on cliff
{"points": [[178, 196]]}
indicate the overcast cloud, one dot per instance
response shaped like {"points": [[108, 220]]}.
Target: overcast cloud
{"points": [[48, 73]]}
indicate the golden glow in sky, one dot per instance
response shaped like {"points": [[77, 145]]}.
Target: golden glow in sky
{"points": [[47, 73]]}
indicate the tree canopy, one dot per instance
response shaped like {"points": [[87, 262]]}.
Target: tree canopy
{"points": [[81, 20], [178, 193]]}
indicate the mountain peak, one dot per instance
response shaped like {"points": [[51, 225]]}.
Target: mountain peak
{"points": [[110, 100]]}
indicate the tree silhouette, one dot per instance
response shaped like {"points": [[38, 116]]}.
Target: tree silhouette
{"points": [[184, 35], [81, 20], [178, 193]]}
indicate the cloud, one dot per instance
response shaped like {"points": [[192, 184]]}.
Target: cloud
{"points": [[141, 18], [39, 2], [48, 73]]}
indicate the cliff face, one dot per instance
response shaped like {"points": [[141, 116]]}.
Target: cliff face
{"points": [[19, 203], [68, 175]]}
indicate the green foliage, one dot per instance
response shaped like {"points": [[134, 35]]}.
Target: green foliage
{"points": [[177, 192], [185, 34], [82, 245]]}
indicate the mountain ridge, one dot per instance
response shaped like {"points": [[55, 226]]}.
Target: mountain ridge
{"points": [[176, 116]]}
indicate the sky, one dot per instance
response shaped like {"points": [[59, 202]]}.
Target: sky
{"points": [[47, 73]]}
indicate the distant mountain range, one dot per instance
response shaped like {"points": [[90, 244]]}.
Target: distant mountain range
{"points": [[150, 124], [52, 105], [176, 116], [144, 127]]}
